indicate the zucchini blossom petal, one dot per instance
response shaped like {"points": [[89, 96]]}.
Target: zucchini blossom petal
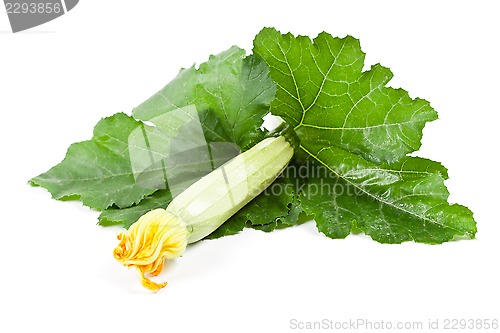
{"points": [[156, 236]]}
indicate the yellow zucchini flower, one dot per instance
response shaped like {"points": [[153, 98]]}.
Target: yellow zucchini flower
{"points": [[157, 236]]}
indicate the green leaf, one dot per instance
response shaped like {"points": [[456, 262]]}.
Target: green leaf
{"points": [[411, 167], [127, 160], [325, 95], [128, 216], [355, 133], [98, 171], [230, 91], [394, 203], [290, 219]]}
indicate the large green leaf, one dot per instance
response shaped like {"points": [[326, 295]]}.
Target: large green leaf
{"points": [[391, 203], [325, 95], [98, 171], [127, 160], [231, 92], [354, 132]]}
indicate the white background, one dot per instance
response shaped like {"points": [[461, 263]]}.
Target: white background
{"points": [[57, 80]]}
